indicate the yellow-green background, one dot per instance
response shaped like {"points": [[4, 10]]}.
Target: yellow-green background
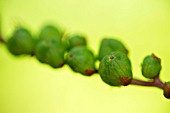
{"points": [[27, 86]]}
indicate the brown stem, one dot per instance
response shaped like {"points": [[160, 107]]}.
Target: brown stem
{"points": [[155, 83], [2, 39]]}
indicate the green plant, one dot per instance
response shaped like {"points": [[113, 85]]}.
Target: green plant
{"points": [[115, 67]]}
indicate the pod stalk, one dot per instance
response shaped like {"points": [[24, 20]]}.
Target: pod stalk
{"points": [[155, 83]]}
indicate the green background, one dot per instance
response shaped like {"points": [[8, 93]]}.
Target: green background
{"points": [[27, 86]]}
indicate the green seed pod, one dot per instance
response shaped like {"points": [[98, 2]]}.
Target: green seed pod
{"points": [[50, 32], [110, 45], [50, 52], [151, 66], [167, 90], [115, 69], [81, 60], [21, 42], [75, 40]]}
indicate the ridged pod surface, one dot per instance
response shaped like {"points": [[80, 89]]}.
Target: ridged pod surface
{"points": [[151, 66], [21, 42], [50, 32], [115, 69], [110, 45], [75, 40], [81, 60], [50, 52]]}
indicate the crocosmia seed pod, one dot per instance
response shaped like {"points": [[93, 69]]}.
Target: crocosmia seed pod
{"points": [[49, 32], [81, 60], [167, 90], [151, 66], [75, 40], [21, 42], [115, 69], [110, 45], [50, 53]]}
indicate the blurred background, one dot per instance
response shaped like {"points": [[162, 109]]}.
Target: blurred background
{"points": [[27, 86]]}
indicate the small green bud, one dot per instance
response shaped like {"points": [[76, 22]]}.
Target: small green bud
{"points": [[151, 66], [81, 60], [115, 69], [21, 42], [167, 90], [50, 32], [75, 40], [51, 53], [110, 45]]}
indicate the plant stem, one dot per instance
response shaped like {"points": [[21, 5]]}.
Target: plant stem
{"points": [[155, 83], [1, 37], [2, 40]]}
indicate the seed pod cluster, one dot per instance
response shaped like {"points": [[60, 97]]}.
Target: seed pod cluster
{"points": [[49, 48], [115, 67], [80, 58]]}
